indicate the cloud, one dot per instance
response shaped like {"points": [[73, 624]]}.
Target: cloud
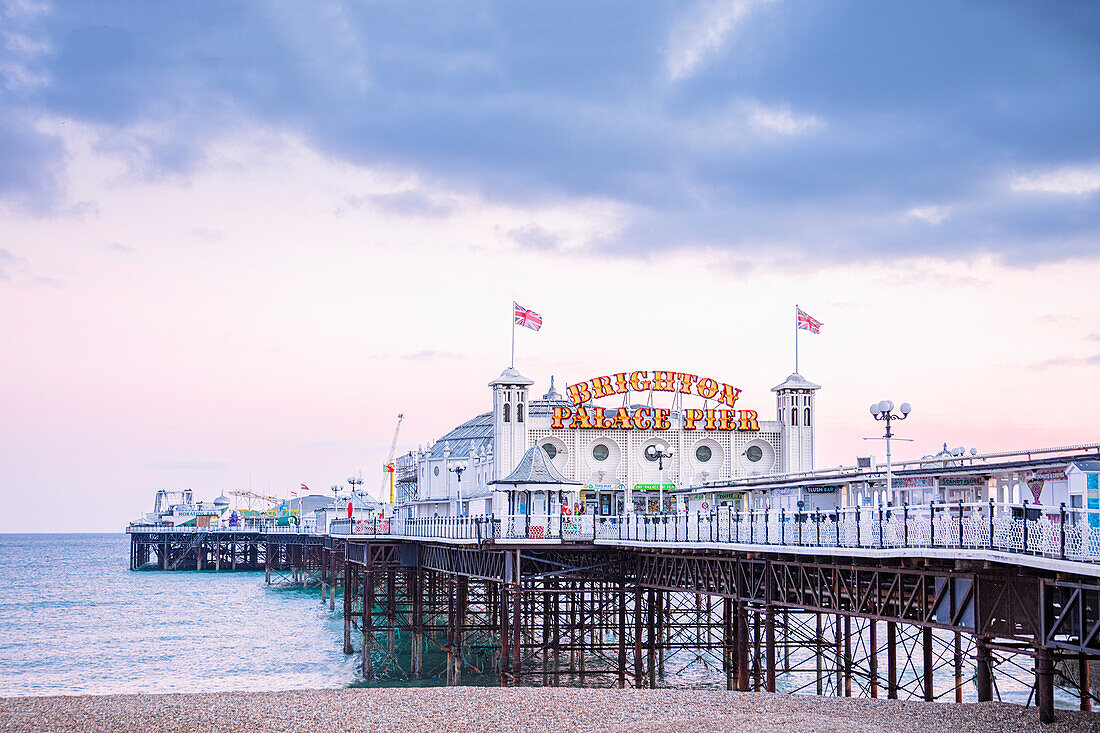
{"points": [[702, 33], [799, 142], [431, 355], [190, 464], [15, 270], [206, 235], [1074, 180], [410, 202], [535, 238], [1067, 361], [930, 214], [780, 120], [115, 247]]}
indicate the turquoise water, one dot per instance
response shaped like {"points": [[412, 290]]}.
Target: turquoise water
{"points": [[75, 620]]}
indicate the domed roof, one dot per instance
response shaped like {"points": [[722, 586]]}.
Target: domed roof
{"points": [[221, 501], [796, 381], [511, 376]]}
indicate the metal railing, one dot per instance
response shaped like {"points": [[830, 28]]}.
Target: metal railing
{"points": [[258, 528], [1055, 532], [1061, 532]]}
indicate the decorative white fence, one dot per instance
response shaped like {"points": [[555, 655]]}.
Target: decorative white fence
{"points": [[256, 528], [1057, 532]]}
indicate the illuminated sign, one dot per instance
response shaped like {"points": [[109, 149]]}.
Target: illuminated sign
{"points": [[962, 481], [581, 416], [681, 382], [647, 418], [605, 487], [653, 487], [820, 489]]}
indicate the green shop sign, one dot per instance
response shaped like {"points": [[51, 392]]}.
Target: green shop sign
{"points": [[653, 487]]}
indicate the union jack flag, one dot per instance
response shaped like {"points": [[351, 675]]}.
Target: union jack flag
{"points": [[806, 322], [526, 317]]}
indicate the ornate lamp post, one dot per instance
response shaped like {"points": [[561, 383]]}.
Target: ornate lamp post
{"points": [[654, 453], [457, 469], [885, 411]]}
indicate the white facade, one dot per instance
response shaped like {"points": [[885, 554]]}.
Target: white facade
{"points": [[610, 462]]}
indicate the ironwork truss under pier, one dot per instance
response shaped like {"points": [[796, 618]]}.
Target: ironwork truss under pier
{"points": [[927, 628]]}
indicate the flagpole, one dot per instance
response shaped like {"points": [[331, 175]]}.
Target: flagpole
{"points": [[796, 338], [513, 364]]}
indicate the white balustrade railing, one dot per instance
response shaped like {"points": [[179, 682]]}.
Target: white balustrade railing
{"points": [[1057, 532]]}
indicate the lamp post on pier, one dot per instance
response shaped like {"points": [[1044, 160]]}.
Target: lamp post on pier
{"points": [[457, 470], [656, 453], [885, 411]]}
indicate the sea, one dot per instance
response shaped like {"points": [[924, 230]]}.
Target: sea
{"points": [[74, 620]]}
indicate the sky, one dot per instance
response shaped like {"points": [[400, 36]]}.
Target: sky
{"points": [[236, 239]]}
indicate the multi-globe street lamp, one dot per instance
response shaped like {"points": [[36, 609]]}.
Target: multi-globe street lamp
{"points": [[884, 411], [656, 453]]}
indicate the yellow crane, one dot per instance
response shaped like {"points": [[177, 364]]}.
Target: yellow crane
{"points": [[388, 467]]}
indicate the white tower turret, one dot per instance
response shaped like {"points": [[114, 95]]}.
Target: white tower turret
{"points": [[795, 408], [509, 420]]}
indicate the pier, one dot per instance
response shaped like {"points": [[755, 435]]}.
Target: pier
{"points": [[886, 603]]}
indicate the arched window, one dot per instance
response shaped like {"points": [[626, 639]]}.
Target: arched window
{"points": [[519, 412], [507, 412], [806, 422], [794, 417]]}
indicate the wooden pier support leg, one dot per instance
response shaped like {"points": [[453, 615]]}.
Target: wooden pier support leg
{"points": [[847, 656], [769, 648], [366, 624], [1044, 684], [416, 583], [333, 578], [742, 647], [622, 635], [838, 653], [662, 631], [267, 565], [757, 671], [892, 660], [639, 673], [517, 632], [872, 658], [460, 628], [958, 667], [505, 637], [218, 556], [347, 610], [786, 641], [652, 643], [1085, 685], [391, 613], [728, 645], [927, 677], [983, 670], [819, 655]]}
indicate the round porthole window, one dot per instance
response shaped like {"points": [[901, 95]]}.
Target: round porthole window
{"points": [[437, 470], [600, 452], [754, 453], [551, 450], [703, 454]]}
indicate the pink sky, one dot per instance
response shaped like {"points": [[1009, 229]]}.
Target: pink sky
{"points": [[252, 323]]}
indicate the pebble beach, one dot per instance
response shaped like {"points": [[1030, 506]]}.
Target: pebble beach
{"points": [[411, 710]]}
